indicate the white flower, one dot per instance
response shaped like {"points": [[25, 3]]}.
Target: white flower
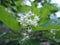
{"points": [[20, 14], [27, 37], [39, 5], [24, 24], [36, 18], [29, 14], [35, 23], [29, 30], [52, 31], [26, 2], [24, 34], [30, 20]]}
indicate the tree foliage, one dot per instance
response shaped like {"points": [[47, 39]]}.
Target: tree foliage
{"points": [[10, 8]]}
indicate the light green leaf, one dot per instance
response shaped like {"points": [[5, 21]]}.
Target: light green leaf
{"points": [[8, 20]]}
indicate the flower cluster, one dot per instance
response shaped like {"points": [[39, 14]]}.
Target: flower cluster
{"points": [[52, 31], [28, 19]]}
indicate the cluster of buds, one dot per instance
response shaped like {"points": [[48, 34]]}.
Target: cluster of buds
{"points": [[28, 19]]}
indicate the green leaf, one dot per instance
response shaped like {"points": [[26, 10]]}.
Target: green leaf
{"points": [[57, 36], [34, 9], [8, 20], [23, 8], [45, 12], [18, 2]]}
